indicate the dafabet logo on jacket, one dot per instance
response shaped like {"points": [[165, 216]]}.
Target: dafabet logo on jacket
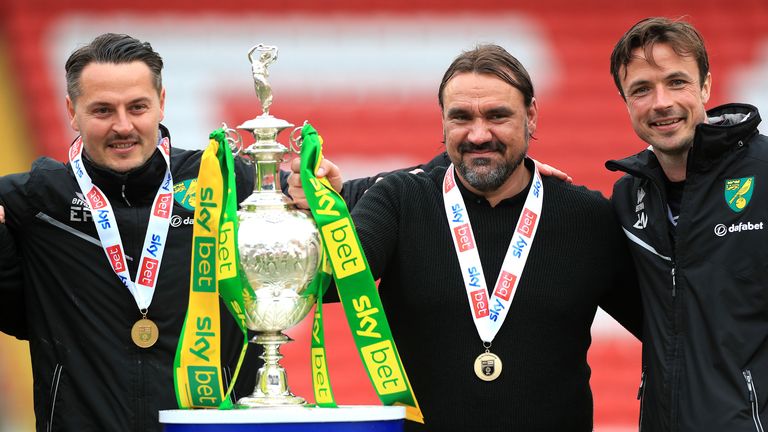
{"points": [[185, 193], [738, 192]]}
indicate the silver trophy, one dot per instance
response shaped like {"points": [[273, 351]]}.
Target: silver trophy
{"points": [[279, 246]]}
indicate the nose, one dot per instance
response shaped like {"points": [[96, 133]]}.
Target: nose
{"points": [[662, 99], [123, 124], [479, 132]]}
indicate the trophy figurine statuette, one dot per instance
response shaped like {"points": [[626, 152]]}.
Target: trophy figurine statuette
{"points": [[279, 247]]}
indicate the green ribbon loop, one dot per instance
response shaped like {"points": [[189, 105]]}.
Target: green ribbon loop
{"points": [[356, 286]]}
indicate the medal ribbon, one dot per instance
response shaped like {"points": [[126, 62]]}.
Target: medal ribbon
{"points": [[356, 286], [143, 288], [489, 315], [215, 271]]}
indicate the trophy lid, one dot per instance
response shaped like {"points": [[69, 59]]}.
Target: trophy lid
{"points": [[265, 121]]}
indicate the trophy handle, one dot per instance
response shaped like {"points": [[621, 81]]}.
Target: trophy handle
{"points": [[234, 139], [294, 140]]}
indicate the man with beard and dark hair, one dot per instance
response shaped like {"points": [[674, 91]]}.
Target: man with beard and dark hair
{"points": [[487, 345]]}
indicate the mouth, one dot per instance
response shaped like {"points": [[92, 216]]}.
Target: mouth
{"points": [[666, 123], [122, 145], [481, 149]]}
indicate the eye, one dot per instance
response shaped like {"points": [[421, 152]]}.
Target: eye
{"points": [[139, 107], [459, 117], [497, 117], [640, 91], [101, 111], [678, 83]]}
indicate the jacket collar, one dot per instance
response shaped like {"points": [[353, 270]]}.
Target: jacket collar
{"points": [[730, 127], [136, 187]]}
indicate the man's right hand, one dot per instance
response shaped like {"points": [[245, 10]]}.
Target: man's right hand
{"points": [[327, 169], [2, 214]]}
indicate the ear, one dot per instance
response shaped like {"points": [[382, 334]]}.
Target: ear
{"points": [[72, 116], [706, 88], [533, 116], [162, 103]]}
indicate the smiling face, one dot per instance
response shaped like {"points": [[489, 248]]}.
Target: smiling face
{"points": [[486, 126], [117, 114], [665, 100]]}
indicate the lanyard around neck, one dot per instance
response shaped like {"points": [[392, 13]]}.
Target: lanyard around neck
{"points": [[106, 226], [489, 314]]}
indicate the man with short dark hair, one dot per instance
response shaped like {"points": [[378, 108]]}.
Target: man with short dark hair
{"points": [[104, 250], [693, 207], [490, 274]]}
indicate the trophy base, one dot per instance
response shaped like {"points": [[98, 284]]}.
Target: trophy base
{"points": [[262, 400], [271, 381]]}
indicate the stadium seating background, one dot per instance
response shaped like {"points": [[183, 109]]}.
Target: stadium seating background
{"points": [[366, 75]]}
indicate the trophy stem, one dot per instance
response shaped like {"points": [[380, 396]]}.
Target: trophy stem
{"points": [[272, 380]]}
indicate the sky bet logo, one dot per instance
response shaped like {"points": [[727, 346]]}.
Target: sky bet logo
{"points": [[74, 150], [115, 255], [148, 271], [102, 218], [96, 199], [154, 245], [506, 285], [163, 206], [165, 146], [479, 296], [527, 223], [518, 246], [536, 187], [458, 213], [463, 239], [449, 182]]}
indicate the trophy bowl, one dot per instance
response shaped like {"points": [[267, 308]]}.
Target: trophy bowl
{"points": [[279, 254]]}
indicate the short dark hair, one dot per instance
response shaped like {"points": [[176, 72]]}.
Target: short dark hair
{"points": [[112, 48], [490, 59], [681, 36]]}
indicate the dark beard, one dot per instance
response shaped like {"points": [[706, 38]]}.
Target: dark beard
{"points": [[483, 180]]}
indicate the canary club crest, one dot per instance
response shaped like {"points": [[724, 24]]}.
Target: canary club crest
{"points": [[185, 193], [738, 192]]}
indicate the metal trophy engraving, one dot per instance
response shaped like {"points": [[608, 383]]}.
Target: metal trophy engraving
{"points": [[279, 246]]}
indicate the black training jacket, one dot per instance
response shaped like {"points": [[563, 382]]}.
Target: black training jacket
{"points": [[705, 295]]}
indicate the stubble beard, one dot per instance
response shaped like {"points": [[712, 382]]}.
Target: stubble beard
{"points": [[482, 173]]}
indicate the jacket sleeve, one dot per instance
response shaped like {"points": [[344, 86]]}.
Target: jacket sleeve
{"points": [[622, 300], [13, 319], [244, 178], [353, 190], [12, 308]]}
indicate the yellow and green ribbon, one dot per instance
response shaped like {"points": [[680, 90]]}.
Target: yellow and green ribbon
{"points": [[215, 271], [356, 286]]}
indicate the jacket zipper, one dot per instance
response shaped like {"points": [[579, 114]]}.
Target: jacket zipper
{"points": [[753, 402], [674, 282], [675, 366], [54, 392], [641, 398]]}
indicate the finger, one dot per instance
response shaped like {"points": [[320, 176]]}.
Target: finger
{"points": [[296, 165]]}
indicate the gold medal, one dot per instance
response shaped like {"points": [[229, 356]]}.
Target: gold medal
{"points": [[487, 366], [144, 333]]}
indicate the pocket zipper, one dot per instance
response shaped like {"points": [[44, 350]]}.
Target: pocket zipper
{"points": [[753, 400], [54, 393], [641, 398]]}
